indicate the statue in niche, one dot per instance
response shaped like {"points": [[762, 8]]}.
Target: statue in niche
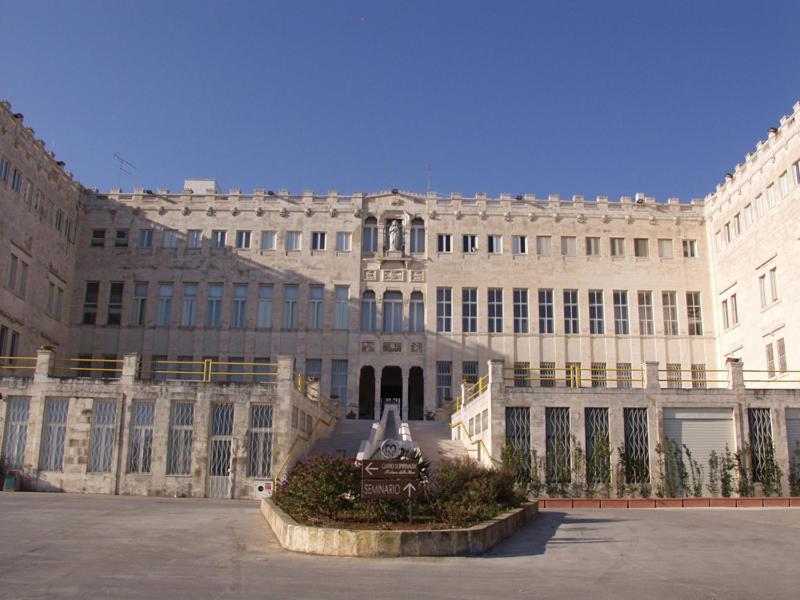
{"points": [[394, 236]]}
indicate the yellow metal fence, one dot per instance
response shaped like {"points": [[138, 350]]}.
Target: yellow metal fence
{"points": [[573, 376]]}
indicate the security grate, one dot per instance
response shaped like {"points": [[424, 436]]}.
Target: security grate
{"points": [[518, 438], [16, 432], [522, 374], [558, 447], [598, 451], [105, 417], [141, 451], [179, 458], [760, 440], [599, 376], [259, 462], [53, 434], [624, 379], [219, 452], [637, 449], [547, 374]]}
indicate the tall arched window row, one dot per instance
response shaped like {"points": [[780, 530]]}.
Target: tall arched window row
{"points": [[369, 242]]}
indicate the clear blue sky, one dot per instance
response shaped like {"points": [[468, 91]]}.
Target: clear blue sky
{"points": [[522, 97]]}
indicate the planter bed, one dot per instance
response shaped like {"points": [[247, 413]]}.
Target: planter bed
{"points": [[334, 541]]}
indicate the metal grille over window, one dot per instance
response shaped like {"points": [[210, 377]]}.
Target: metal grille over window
{"points": [[105, 417], [624, 378], [53, 434], [259, 453], [598, 449], [16, 433], [518, 439], [219, 450], [179, 459], [598, 374], [762, 452], [444, 382], [558, 449], [637, 453], [547, 374], [699, 376], [674, 375], [469, 371], [522, 374], [141, 450]]}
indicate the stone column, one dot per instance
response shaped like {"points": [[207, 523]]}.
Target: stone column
{"points": [[378, 374], [282, 422], [497, 408], [651, 375], [405, 375], [130, 368], [735, 374], [45, 359]]}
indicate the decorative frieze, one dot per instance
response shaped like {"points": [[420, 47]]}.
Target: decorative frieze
{"points": [[368, 347], [416, 347], [417, 276], [392, 347], [369, 275], [395, 275]]}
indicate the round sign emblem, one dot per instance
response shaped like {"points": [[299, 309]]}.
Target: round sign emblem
{"points": [[391, 449]]}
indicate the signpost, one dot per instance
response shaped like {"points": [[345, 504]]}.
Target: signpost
{"points": [[389, 480]]}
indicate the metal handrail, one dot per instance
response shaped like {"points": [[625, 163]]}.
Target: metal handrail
{"points": [[305, 437], [13, 367], [472, 442]]}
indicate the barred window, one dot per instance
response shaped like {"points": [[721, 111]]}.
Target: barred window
{"points": [[444, 382], [699, 376], [624, 375], [637, 446], [259, 462], [179, 452], [339, 380], [265, 369], [141, 449], [16, 432], [54, 433], [573, 374], [674, 379], [522, 374], [599, 374], [547, 374], [469, 371], [103, 426]]}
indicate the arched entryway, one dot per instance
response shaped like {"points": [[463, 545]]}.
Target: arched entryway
{"points": [[416, 394], [366, 393], [392, 387]]}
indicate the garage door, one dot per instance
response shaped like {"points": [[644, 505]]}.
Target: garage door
{"points": [[703, 430], [793, 434]]}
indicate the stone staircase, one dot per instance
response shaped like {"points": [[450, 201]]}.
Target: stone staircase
{"points": [[433, 439], [345, 438]]}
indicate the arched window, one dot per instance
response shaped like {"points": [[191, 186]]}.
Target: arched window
{"points": [[369, 242], [368, 315], [417, 242], [393, 312], [416, 313]]}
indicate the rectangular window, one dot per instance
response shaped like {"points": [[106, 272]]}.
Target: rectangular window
{"points": [[239, 306], [179, 450], [558, 469], [547, 374], [27, 195], [369, 241], [469, 243], [264, 306], [417, 236], [780, 345], [734, 310], [164, 312], [546, 321], [369, 313], [645, 300], [718, 240], [314, 368], [669, 302], [748, 214], [393, 312], [693, 313], [762, 288], [592, 246], [725, 321], [120, 238], [294, 240], [214, 305], [621, 326], [796, 168], [771, 195], [416, 313], [344, 241], [522, 374], [770, 353], [139, 303], [23, 278], [664, 248], [316, 295], [16, 180], [674, 378], [259, 441], [690, 248], [519, 244], [495, 310], [641, 247], [773, 283], [189, 308], [444, 382], [265, 370], [469, 371], [114, 316], [469, 310], [737, 224], [194, 238], [170, 238], [783, 182], [318, 240], [90, 303], [339, 381], [84, 368], [624, 379], [11, 278], [4, 164], [571, 312], [617, 246], [341, 316], [543, 245], [699, 376], [444, 243], [54, 433], [568, 245], [268, 240], [243, 240], [726, 229], [599, 376], [98, 238], [290, 316], [16, 431], [596, 317], [495, 244], [102, 436], [520, 311], [218, 238], [145, 238], [140, 454], [444, 309]]}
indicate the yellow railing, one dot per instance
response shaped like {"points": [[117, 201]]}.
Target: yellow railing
{"points": [[205, 369], [573, 375], [306, 437], [692, 379], [105, 365], [473, 391], [14, 367], [299, 381], [771, 376], [472, 442]]}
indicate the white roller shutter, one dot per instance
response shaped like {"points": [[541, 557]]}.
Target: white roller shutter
{"points": [[702, 430], [793, 434]]}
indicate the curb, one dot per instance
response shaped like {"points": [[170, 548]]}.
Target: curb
{"points": [[597, 503]]}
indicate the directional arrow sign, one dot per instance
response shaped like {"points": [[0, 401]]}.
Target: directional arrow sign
{"points": [[390, 469], [388, 489]]}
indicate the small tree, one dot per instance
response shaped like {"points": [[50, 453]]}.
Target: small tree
{"points": [[714, 465]]}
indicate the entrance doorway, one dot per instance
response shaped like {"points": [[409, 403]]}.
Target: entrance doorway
{"points": [[416, 394], [392, 387], [220, 465], [366, 394]]}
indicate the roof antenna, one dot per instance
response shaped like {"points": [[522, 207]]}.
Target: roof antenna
{"points": [[124, 167]]}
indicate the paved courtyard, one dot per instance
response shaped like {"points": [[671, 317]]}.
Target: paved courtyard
{"points": [[73, 546]]}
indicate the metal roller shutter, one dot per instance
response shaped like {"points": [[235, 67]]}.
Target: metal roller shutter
{"points": [[702, 430]]}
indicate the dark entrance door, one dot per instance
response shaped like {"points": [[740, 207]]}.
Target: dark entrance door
{"points": [[366, 394], [392, 387], [416, 394]]}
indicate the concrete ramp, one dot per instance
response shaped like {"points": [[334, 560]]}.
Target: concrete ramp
{"points": [[345, 438], [433, 439]]}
